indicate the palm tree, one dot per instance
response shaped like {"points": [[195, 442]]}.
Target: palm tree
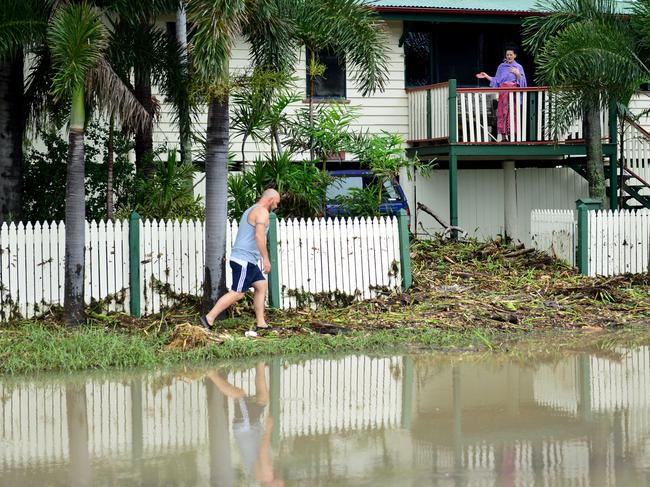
{"points": [[586, 54], [22, 25], [143, 54], [77, 40], [275, 30]]}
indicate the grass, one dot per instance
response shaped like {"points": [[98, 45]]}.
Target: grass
{"points": [[34, 347]]}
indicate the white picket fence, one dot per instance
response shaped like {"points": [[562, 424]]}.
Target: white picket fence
{"points": [[618, 242], [554, 232], [352, 256]]}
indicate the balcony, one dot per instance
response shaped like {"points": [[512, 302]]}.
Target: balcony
{"points": [[441, 116]]}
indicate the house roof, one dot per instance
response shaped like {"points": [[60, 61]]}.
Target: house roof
{"points": [[471, 5], [466, 6]]}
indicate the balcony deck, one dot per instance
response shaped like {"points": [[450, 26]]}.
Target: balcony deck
{"points": [[471, 115]]}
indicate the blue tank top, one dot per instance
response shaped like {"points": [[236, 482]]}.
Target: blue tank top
{"points": [[245, 247]]}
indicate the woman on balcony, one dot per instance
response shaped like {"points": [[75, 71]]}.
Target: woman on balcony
{"points": [[510, 74]]}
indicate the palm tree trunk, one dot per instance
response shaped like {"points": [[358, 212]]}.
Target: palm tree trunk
{"points": [[110, 156], [216, 201], [12, 127], [75, 218], [592, 134], [185, 128], [144, 136]]}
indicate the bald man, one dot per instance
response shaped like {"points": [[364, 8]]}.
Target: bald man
{"points": [[248, 251]]}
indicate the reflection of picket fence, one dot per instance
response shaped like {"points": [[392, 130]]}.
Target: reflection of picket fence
{"points": [[161, 414], [554, 232], [314, 256]]}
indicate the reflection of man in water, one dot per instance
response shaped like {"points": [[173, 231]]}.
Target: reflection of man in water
{"points": [[253, 438]]}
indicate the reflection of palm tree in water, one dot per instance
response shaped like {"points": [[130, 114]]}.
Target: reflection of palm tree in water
{"points": [[253, 437]]}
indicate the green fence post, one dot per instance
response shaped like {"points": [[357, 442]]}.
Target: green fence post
{"points": [[134, 265], [274, 275], [584, 205], [404, 249]]}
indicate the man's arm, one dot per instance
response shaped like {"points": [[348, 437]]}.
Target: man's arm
{"points": [[259, 218]]}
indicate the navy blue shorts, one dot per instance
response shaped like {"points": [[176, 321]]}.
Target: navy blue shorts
{"points": [[244, 274]]}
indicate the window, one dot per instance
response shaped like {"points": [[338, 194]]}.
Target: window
{"points": [[332, 83], [435, 52], [417, 53]]}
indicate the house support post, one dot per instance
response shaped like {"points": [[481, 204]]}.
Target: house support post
{"points": [[509, 199], [453, 192], [613, 154], [453, 158]]}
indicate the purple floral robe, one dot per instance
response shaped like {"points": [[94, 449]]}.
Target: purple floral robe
{"points": [[504, 75]]}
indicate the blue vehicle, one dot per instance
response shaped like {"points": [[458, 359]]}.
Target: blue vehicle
{"points": [[393, 197]]}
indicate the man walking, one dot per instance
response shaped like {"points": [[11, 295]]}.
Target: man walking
{"points": [[248, 251]]}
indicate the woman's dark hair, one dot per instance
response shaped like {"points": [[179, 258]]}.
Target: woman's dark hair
{"points": [[510, 47]]}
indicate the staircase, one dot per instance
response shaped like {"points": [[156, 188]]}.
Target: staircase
{"points": [[635, 173]]}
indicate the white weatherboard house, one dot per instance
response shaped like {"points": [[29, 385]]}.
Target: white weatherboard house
{"points": [[434, 101]]}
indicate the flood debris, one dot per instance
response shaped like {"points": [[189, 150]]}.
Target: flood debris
{"points": [[457, 286], [187, 336]]}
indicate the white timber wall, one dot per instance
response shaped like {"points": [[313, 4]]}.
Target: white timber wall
{"points": [[481, 200], [382, 111]]}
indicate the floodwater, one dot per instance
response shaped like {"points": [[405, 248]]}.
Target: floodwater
{"points": [[416, 420]]}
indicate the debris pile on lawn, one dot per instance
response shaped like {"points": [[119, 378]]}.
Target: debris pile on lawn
{"points": [[186, 336], [464, 285], [456, 286]]}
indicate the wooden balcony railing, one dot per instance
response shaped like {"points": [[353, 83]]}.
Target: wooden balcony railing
{"points": [[473, 113]]}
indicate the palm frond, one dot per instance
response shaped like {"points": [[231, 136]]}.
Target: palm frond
{"points": [[109, 94], [41, 108], [565, 108], [560, 14], [23, 24], [269, 30], [593, 58], [77, 38], [350, 28], [213, 27]]}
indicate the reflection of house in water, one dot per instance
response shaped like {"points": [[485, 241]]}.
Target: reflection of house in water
{"points": [[581, 420], [574, 422]]}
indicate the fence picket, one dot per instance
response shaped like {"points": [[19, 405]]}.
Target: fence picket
{"points": [[19, 256], [330, 263], [324, 255], [38, 267]]}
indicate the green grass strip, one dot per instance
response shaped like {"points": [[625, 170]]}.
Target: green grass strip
{"points": [[33, 347]]}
